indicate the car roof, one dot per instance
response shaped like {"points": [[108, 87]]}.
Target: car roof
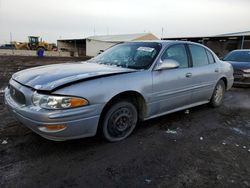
{"points": [[166, 42], [241, 50]]}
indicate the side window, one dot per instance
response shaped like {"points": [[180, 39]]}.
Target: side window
{"points": [[210, 57], [199, 55], [178, 53]]}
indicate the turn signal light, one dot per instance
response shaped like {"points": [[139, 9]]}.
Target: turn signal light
{"points": [[76, 102], [55, 127]]}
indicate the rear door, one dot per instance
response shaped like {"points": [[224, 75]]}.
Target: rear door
{"points": [[205, 73], [172, 87]]}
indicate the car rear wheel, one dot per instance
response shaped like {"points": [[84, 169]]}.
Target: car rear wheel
{"points": [[218, 94], [119, 121]]}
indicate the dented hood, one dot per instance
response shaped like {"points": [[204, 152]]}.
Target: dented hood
{"points": [[50, 77]]}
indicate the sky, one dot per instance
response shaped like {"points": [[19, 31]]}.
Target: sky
{"points": [[64, 19]]}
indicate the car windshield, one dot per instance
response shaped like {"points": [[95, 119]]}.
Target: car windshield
{"points": [[240, 56], [134, 55]]}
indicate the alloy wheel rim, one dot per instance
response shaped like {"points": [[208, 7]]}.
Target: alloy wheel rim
{"points": [[218, 94]]}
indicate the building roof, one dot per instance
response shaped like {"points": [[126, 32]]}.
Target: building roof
{"points": [[70, 40], [122, 38], [243, 33], [237, 34]]}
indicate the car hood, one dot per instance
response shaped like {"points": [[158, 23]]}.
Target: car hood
{"points": [[240, 65], [51, 77]]}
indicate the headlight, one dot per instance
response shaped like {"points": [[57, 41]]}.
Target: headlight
{"points": [[246, 70], [57, 102]]}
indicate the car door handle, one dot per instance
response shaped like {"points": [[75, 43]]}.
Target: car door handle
{"points": [[216, 70], [188, 75]]}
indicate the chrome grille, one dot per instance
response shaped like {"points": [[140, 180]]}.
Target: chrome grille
{"points": [[238, 72], [17, 95]]}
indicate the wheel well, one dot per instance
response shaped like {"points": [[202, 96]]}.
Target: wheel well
{"points": [[136, 98], [225, 81]]}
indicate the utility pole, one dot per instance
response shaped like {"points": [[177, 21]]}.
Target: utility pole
{"points": [[75, 48], [59, 49], [162, 32], [107, 30], [11, 43], [242, 42], [10, 37]]}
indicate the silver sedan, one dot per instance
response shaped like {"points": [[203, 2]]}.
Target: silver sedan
{"points": [[110, 93]]}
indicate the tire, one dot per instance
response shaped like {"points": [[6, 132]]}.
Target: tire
{"points": [[119, 121], [218, 94]]}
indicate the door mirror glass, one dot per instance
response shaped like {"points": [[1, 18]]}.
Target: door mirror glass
{"points": [[167, 64]]}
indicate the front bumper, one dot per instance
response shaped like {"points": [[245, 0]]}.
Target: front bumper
{"points": [[79, 122], [241, 80]]}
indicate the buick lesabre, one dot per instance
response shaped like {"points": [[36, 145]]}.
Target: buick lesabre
{"points": [[111, 92]]}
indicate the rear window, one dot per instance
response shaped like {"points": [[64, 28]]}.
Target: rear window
{"points": [[240, 56]]}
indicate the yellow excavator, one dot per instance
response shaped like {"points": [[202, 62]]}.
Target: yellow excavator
{"points": [[34, 44]]}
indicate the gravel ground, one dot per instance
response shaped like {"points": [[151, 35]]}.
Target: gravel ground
{"points": [[202, 147]]}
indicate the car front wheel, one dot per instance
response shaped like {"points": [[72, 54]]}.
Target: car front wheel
{"points": [[218, 94], [119, 121]]}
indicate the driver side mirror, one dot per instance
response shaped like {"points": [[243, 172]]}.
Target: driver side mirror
{"points": [[167, 64]]}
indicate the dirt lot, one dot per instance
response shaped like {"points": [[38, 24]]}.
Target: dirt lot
{"points": [[203, 148]]}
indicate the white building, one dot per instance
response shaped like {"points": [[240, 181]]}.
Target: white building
{"points": [[93, 45], [97, 44]]}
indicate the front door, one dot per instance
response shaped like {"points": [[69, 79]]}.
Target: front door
{"points": [[172, 87]]}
